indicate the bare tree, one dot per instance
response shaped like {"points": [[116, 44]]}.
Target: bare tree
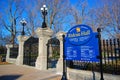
{"points": [[4, 38], [10, 18], [56, 17], [108, 17], [79, 11], [33, 21]]}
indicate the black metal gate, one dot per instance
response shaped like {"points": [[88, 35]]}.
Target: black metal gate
{"points": [[53, 52], [30, 51], [14, 52]]}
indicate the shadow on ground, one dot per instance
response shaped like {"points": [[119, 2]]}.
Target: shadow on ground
{"points": [[9, 77]]}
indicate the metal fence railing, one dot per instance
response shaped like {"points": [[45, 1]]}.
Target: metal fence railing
{"points": [[110, 55], [14, 52]]}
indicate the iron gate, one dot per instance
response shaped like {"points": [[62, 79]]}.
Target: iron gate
{"points": [[30, 51], [14, 52], [53, 52]]}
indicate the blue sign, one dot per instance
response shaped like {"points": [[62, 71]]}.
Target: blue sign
{"points": [[79, 34], [81, 44]]}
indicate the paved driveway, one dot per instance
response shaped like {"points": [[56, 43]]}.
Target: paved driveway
{"points": [[14, 72]]}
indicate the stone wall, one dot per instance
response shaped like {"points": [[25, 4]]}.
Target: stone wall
{"points": [[8, 59], [89, 75], [11, 60]]}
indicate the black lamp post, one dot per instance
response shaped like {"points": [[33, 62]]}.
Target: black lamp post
{"points": [[44, 13], [23, 23]]}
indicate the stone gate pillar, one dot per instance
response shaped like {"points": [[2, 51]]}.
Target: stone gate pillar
{"points": [[44, 34], [21, 40], [8, 46], [60, 61]]}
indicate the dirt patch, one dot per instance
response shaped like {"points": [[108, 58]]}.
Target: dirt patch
{"points": [[2, 63]]}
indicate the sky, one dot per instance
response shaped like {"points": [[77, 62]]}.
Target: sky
{"points": [[91, 4]]}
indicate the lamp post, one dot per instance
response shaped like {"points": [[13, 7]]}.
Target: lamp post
{"points": [[44, 13], [23, 23]]}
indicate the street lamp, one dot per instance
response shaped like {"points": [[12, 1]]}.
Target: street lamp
{"points": [[44, 13], [23, 23]]}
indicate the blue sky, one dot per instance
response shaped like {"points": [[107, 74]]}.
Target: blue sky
{"points": [[91, 4]]}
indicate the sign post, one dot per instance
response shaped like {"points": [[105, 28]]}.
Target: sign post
{"points": [[82, 44], [64, 76], [100, 55]]}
